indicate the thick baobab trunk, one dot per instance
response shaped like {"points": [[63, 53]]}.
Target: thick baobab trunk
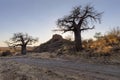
{"points": [[78, 41], [23, 49]]}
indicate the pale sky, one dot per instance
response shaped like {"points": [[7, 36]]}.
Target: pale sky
{"points": [[38, 17]]}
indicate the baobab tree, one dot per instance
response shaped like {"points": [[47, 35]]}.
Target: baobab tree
{"points": [[22, 40], [80, 19]]}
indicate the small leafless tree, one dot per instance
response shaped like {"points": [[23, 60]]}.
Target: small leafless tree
{"points": [[80, 19], [22, 40]]}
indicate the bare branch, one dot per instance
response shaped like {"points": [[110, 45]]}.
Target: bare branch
{"points": [[87, 28]]}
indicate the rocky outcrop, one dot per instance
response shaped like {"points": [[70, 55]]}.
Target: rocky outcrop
{"points": [[52, 45]]}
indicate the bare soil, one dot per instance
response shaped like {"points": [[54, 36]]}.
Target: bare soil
{"points": [[42, 67]]}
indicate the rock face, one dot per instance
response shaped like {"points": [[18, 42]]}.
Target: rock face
{"points": [[56, 37], [52, 45]]}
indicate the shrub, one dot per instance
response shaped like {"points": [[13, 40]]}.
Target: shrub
{"points": [[6, 53]]}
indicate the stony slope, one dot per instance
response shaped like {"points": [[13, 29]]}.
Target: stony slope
{"points": [[52, 45]]}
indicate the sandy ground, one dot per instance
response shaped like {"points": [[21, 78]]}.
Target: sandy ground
{"points": [[10, 70], [42, 67]]}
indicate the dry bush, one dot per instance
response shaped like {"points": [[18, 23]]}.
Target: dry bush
{"points": [[6, 53]]}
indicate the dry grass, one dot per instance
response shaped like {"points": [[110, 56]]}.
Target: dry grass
{"points": [[12, 50], [10, 70]]}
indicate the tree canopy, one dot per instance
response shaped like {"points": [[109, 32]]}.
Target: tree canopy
{"points": [[79, 19], [20, 39]]}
